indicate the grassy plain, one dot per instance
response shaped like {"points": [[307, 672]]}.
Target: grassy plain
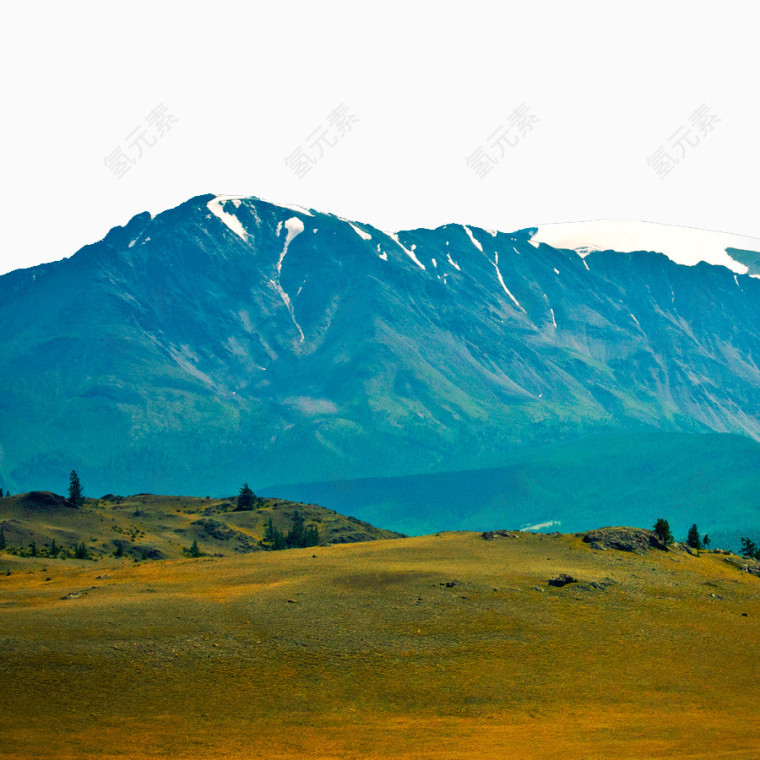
{"points": [[437, 647]]}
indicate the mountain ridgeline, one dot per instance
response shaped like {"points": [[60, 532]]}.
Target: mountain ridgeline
{"points": [[231, 338]]}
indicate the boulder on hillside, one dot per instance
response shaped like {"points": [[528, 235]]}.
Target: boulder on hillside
{"points": [[623, 539], [490, 535], [563, 579]]}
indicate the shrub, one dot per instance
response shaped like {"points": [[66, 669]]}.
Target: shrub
{"points": [[194, 550]]}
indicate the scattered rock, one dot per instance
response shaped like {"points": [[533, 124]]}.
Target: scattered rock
{"points": [[538, 588], [623, 539], [450, 584], [597, 585], [71, 595], [490, 535], [751, 566], [562, 580], [721, 551], [715, 596], [292, 601], [744, 614], [101, 577], [690, 550]]}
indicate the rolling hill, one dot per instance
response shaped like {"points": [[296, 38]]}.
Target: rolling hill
{"points": [[447, 647]]}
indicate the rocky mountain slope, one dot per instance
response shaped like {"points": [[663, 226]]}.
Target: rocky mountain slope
{"points": [[232, 339]]}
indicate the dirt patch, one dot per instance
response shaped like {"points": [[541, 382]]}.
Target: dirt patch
{"points": [[377, 580]]}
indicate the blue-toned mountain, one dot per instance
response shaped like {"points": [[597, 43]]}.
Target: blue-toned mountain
{"points": [[232, 339]]}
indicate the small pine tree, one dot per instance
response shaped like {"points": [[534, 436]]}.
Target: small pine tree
{"points": [[246, 499], [297, 535], [706, 541], [274, 537], [80, 552], [53, 549], [119, 550], [1, 493], [194, 550], [693, 539], [2, 539], [749, 549], [76, 496], [33, 549], [662, 529]]}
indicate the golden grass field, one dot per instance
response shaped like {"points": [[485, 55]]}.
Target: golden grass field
{"points": [[362, 651]]}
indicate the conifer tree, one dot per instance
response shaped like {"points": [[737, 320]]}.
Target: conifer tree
{"points": [[2, 539], [76, 496], [662, 529], [246, 499], [749, 549], [692, 538], [274, 537], [296, 536]]}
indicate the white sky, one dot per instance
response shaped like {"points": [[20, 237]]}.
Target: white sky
{"points": [[429, 82]]}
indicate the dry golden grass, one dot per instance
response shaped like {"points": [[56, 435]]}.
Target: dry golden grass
{"points": [[364, 652]]}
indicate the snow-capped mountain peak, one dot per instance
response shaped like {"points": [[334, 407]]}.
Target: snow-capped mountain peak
{"points": [[684, 245]]}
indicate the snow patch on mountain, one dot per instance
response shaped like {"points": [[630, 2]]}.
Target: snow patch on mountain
{"points": [[495, 262], [299, 209], [215, 207], [541, 526], [410, 253], [294, 226], [684, 245], [472, 238], [361, 233]]}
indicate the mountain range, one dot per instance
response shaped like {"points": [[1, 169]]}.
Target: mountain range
{"points": [[231, 339]]}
